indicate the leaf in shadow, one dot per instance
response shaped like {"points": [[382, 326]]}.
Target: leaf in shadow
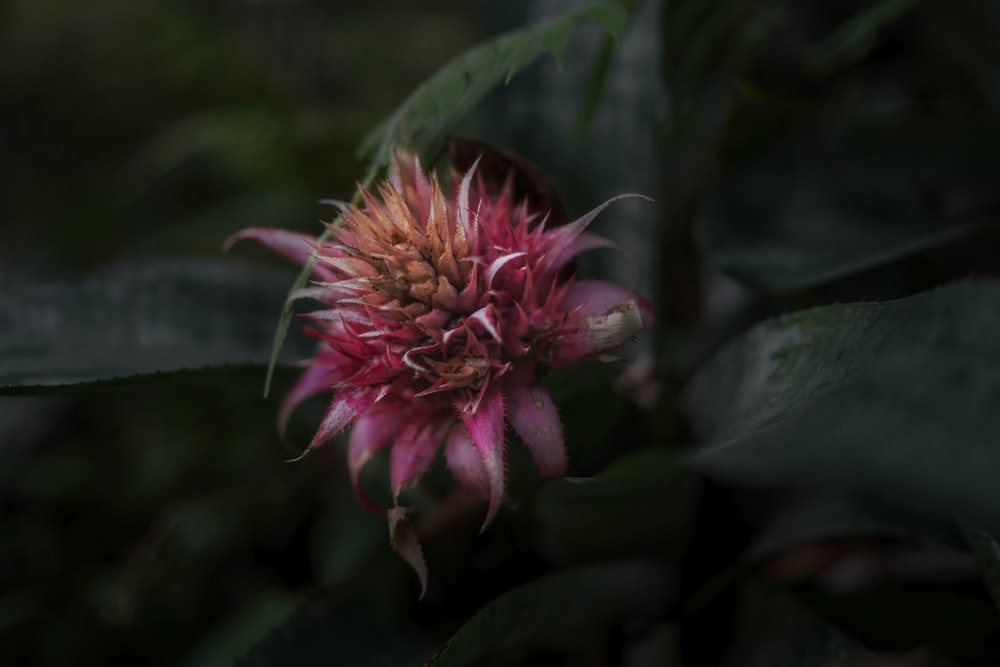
{"points": [[900, 398], [360, 623], [558, 612], [986, 549], [642, 503], [799, 516], [774, 629], [425, 116], [807, 214], [192, 320]]}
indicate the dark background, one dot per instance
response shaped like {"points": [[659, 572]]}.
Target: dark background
{"points": [[801, 155], [159, 522]]}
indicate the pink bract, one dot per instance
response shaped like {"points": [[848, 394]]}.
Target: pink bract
{"points": [[439, 313]]}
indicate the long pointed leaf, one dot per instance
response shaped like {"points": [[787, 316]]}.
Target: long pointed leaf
{"points": [[188, 319], [435, 105]]}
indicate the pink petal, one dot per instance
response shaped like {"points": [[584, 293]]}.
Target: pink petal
{"points": [[498, 264], [370, 433], [584, 242], [316, 379], [561, 238], [471, 231], [345, 407], [487, 316], [534, 417], [468, 298], [348, 266], [432, 323], [299, 248], [486, 426], [413, 451], [466, 464]]}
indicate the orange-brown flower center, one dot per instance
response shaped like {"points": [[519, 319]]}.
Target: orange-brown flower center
{"points": [[410, 276]]}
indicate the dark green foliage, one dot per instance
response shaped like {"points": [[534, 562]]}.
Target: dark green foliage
{"points": [[585, 518], [360, 623], [827, 396], [773, 629], [798, 467], [437, 104], [567, 611], [160, 321]]}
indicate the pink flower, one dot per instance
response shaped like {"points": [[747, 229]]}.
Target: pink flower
{"points": [[439, 314]]}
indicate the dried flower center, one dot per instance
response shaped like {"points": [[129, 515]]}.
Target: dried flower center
{"points": [[461, 372], [409, 276]]}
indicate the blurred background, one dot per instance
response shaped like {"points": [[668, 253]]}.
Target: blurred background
{"points": [[800, 155], [160, 522]]}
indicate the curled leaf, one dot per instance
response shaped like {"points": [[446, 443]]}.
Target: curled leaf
{"points": [[403, 538]]}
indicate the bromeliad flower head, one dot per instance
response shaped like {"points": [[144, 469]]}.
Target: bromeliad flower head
{"points": [[440, 312]]}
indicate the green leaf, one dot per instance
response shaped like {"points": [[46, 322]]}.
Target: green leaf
{"points": [[594, 127], [281, 332], [773, 629], [986, 548], [344, 537], [854, 38], [900, 398], [191, 320], [249, 144], [558, 611], [966, 32], [231, 637], [360, 623], [640, 503], [808, 214], [798, 516], [425, 116], [948, 620]]}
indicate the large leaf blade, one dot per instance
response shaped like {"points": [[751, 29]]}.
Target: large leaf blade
{"points": [[774, 629], [194, 320], [806, 214], [899, 398]]}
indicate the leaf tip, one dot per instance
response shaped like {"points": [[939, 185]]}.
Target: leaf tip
{"points": [[403, 538]]}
